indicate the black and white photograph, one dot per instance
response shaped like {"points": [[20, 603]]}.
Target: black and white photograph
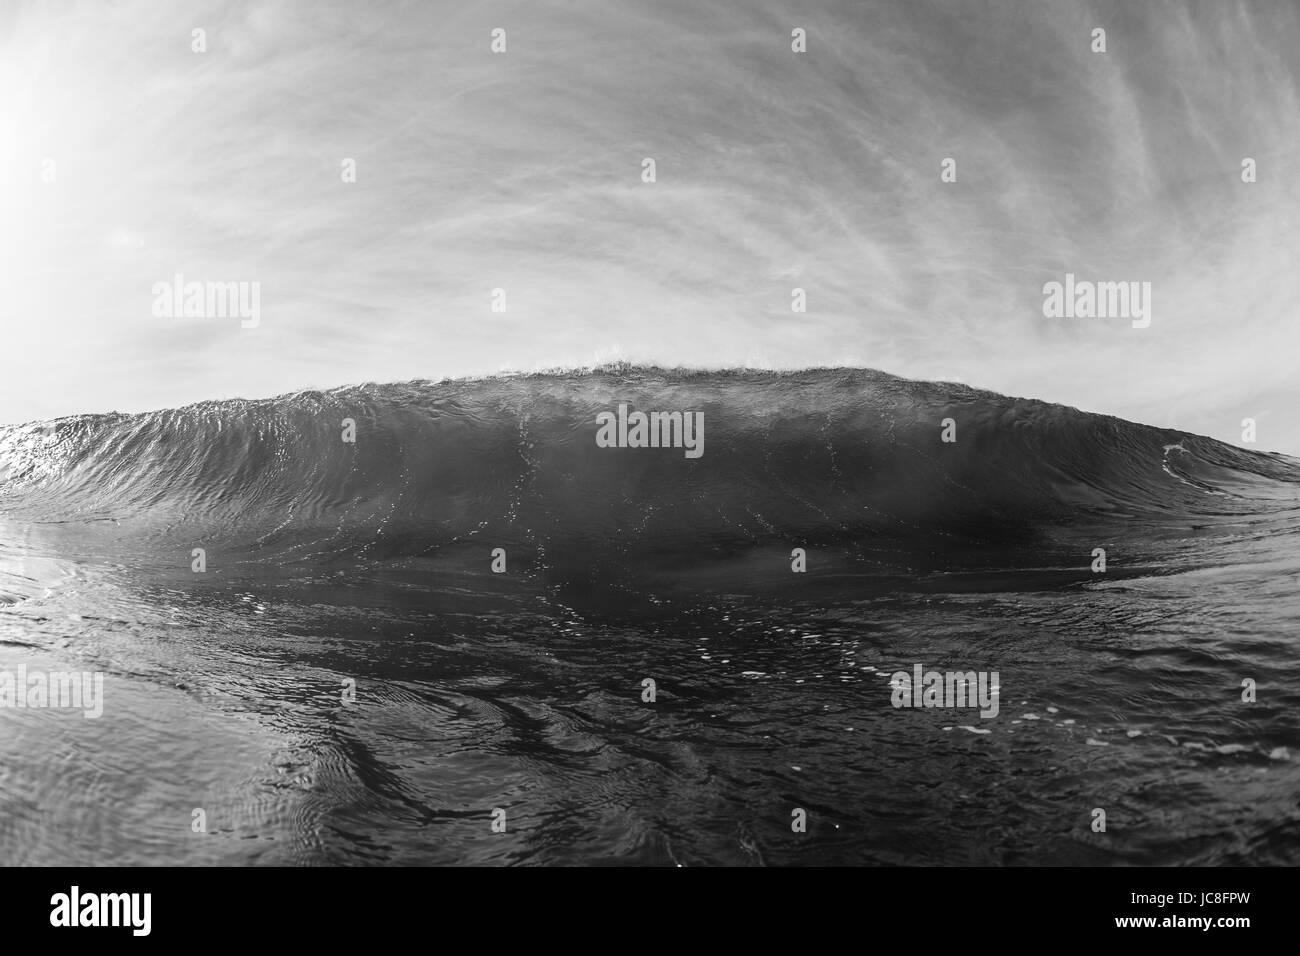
{"points": [[649, 433]]}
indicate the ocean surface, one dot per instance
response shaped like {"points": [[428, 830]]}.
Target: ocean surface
{"points": [[336, 568]]}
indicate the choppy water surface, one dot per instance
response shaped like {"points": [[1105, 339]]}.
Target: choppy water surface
{"points": [[370, 562]]}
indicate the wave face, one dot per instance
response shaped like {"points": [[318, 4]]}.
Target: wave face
{"points": [[817, 457], [368, 565]]}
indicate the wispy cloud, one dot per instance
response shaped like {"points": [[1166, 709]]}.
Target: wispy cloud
{"points": [[521, 171]]}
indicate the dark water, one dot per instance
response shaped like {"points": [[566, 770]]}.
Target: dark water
{"points": [[371, 562]]}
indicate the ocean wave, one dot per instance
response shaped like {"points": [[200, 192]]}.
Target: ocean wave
{"points": [[820, 455]]}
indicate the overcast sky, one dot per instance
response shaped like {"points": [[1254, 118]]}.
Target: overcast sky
{"points": [[522, 171]]}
